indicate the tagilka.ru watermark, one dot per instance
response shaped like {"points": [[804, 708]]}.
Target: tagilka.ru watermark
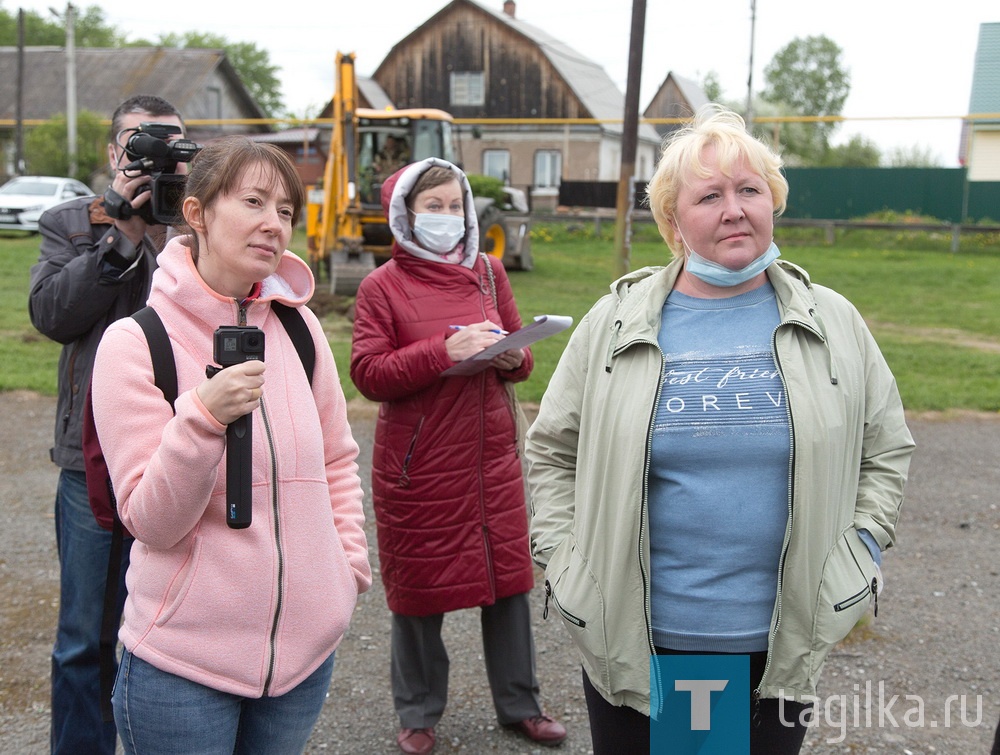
{"points": [[868, 707]]}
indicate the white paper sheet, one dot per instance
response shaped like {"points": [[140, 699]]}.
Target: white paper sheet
{"points": [[542, 327]]}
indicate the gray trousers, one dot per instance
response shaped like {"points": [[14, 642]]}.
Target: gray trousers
{"points": [[420, 664]]}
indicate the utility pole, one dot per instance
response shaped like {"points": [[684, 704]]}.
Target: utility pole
{"points": [[71, 87], [753, 24], [70, 21], [630, 139], [19, 102]]}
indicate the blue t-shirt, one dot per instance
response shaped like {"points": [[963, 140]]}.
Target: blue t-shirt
{"points": [[719, 477]]}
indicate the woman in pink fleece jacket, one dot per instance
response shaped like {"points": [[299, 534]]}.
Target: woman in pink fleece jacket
{"points": [[229, 634]]}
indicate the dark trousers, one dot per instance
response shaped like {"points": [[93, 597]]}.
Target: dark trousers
{"points": [[420, 664], [84, 550], [620, 730], [996, 742]]}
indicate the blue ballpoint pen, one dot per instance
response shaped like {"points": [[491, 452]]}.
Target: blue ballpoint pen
{"points": [[492, 330]]}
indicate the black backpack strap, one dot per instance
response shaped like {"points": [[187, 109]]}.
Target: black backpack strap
{"points": [[165, 378], [298, 331], [161, 352]]}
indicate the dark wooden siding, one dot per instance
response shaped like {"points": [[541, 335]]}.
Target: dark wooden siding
{"points": [[669, 102], [519, 81]]}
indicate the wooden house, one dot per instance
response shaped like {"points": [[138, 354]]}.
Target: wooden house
{"points": [[201, 84], [677, 97], [477, 62]]}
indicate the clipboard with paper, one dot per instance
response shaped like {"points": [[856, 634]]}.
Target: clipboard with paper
{"points": [[542, 327]]}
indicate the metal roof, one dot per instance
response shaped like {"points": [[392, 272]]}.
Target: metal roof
{"points": [[373, 94], [105, 77], [295, 135], [985, 96], [691, 90], [588, 81]]}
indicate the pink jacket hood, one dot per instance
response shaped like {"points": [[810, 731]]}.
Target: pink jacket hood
{"points": [[254, 611], [292, 283]]}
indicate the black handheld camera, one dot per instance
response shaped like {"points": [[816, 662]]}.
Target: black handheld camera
{"points": [[151, 152], [234, 344]]}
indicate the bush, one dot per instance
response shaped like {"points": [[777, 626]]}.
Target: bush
{"points": [[487, 186], [45, 147]]}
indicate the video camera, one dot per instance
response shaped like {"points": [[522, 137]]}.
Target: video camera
{"points": [[151, 152], [236, 344]]}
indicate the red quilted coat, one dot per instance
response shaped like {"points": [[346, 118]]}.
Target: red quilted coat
{"points": [[446, 476]]}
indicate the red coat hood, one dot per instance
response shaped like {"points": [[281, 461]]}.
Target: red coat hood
{"points": [[397, 188]]}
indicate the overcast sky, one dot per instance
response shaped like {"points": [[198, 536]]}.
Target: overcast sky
{"points": [[910, 63]]}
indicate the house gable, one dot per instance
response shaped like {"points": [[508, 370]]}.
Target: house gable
{"points": [[519, 81], [677, 97], [474, 62], [200, 83], [980, 144], [985, 97]]}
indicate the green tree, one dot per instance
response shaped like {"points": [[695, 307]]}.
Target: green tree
{"points": [[915, 156], [799, 142], [251, 63], [808, 77], [711, 86], [90, 29], [45, 146], [859, 152]]}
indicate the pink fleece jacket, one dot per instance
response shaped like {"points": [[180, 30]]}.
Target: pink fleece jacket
{"points": [[254, 611]]}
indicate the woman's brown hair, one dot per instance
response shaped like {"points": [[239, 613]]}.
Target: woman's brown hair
{"points": [[219, 167]]}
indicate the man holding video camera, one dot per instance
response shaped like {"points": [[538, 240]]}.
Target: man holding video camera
{"points": [[95, 265]]}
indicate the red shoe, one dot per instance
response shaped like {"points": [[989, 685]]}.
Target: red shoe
{"points": [[542, 729], [416, 741]]}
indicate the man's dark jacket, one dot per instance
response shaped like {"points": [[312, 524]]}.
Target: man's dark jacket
{"points": [[82, 283]]}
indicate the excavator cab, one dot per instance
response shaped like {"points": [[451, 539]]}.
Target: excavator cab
{"points": [[391, 139]]}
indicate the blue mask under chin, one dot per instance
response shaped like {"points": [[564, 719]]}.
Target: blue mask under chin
{"points": [[719, 275]]}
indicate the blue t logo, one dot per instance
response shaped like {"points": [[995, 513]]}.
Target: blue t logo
{"points": [[705, 704]]}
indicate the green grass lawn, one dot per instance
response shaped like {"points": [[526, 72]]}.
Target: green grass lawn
{"points": [[935, 314]]}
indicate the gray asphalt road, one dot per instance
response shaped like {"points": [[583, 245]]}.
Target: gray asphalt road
{"points": [[934, 645]]}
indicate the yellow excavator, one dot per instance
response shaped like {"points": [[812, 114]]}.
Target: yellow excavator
{"points": [[346, 228]]}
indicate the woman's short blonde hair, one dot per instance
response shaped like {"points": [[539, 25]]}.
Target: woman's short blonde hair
{"points": [[681, 158]]}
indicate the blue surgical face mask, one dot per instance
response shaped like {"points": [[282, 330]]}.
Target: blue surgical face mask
{"points": [[437, 232], [719, 275]]}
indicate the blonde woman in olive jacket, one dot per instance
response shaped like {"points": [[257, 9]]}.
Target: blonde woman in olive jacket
{"points": [[588, 456]]}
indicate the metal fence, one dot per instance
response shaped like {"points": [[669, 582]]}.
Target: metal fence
{"points": [[848, 193]]}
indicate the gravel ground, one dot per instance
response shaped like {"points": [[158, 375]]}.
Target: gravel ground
{"points": [[936, 637]]}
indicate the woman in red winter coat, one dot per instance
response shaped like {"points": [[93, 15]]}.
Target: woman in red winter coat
{"points": [[446, 473]]}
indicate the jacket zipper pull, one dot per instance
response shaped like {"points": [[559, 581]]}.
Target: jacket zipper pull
{"points": [[755, 716], [875, 593], [548, 592]]}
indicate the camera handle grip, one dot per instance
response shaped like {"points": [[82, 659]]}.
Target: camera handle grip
{"points": [[239, 450]]}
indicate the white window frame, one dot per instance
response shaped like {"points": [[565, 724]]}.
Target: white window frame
{"points": [[548, 169], [468, 88], [496, 163]]}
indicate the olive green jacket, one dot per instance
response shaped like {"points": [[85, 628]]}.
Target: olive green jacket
{"points": [[588, 462]]}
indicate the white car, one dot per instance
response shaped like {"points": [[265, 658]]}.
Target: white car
{"points": [[25, 198]]}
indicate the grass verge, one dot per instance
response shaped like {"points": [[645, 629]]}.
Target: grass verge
{"points": [[936, 315]]}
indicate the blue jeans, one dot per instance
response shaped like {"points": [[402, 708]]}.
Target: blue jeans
{"points": [[163, 714], [83, 549]]}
